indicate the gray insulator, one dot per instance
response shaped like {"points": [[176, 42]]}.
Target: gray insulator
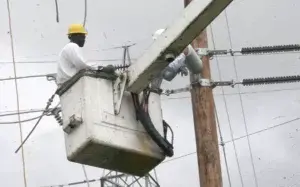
{"points": [[193, 61], [57, 116], [58, 119]]}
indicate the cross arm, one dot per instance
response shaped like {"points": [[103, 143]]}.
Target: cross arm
{"points": [[194, 19]]}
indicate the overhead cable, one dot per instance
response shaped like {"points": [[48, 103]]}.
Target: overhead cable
{"points": [[51, 76], [51, 111], [56, 11], [16, 87], [241, 102], [12, 113], [24, 77], [266, 129], [270, 49], [74, 183], [260, 50], [222, 143], [85, 12], [20, 121], [85, 175], [271, 80], [229, 122], [226, 142], [244, 82], [36, 124], [53, 61]]}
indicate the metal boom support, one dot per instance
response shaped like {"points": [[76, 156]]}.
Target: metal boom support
{"points": [[195, 18]]}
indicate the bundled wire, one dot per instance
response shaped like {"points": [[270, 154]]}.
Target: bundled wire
{"points": [[166, 126], [144, 117], [21, 121], [38, 121], [271, 80], [270, 49]]}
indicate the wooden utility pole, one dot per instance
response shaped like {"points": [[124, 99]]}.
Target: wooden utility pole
{"points": [[205, 125]]}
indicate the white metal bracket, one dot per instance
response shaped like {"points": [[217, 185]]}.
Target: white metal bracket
{"points": [[194, 19], [205, 83], [118, 90], [74, 122], [202, 52], [213, 84]]}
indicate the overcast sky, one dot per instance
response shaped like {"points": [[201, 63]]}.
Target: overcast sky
{"points": [[39, 38]]}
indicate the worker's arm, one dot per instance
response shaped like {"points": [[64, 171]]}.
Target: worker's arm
{"points": [[77, 59], [175, 67]]}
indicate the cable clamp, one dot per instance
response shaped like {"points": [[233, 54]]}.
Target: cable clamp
{"points": [[74, 122], [213, 84], [202, 51], [203, 83]]}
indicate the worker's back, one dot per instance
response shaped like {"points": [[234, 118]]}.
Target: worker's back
{"points": [[70, 62]]}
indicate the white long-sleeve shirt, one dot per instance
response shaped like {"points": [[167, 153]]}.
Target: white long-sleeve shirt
{"points": [[180, 61], [70, 62], [169, 72]]}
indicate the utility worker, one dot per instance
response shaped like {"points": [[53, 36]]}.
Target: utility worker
{"points": [[71, 60], [188, 59], [170, 72], [175, 67]]}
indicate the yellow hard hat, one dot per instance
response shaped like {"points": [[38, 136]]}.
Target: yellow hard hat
{"points": [[76, 28]]}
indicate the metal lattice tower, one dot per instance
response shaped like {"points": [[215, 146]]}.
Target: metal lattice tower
{"points": [[115, 179]]}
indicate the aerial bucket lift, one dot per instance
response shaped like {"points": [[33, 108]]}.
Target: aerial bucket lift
{"points": [[99, 121], [114, 121]]}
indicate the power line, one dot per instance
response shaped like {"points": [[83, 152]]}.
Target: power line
{"points": [[16, 88], [85, 175], [76, 183], [85, 12], [242, 93], [235, 139], [222, 143], [38, 121], [266, 129], [52, 76], [179, 157], [241, 100], [45, 112], [20, 121], [228, 116], [55, 61], [9, 113], [262, 50], [25, 77], [56, 11]]}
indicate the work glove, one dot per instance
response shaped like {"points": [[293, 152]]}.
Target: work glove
{"points": [[183, 71], [107, 69]]}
